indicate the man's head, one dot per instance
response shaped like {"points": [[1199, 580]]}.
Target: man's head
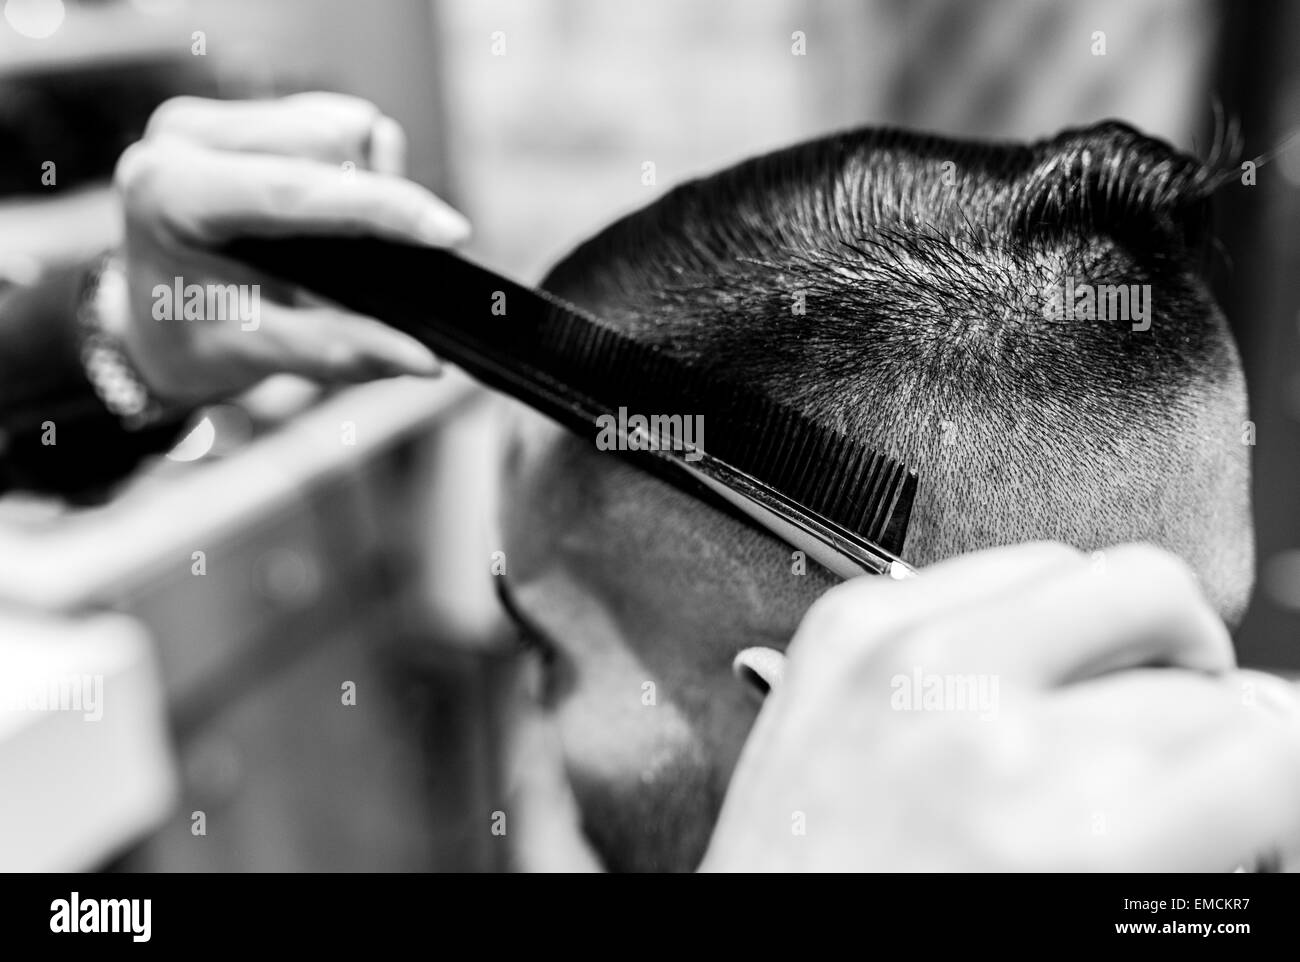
{"points": [[932, 298]]}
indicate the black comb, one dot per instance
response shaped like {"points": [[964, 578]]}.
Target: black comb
{"points": [[805, 478]]}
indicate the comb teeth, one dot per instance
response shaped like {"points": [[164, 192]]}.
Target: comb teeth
{"points": [[815, 465], [447, 303]]}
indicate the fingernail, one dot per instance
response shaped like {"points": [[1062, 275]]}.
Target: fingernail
{"points": [[442, 226]]}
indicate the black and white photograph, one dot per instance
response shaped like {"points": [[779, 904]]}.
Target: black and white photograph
{"points": [[446, 437]]}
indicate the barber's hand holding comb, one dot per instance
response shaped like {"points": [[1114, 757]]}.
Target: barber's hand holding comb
{"points": [[207, 171]]}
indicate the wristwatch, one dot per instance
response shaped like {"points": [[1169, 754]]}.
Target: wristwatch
{"points": [[104, 358]]}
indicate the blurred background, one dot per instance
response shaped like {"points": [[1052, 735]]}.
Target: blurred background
{"points": [[325, 565]]}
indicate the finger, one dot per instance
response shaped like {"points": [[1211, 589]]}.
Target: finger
{"points": [[208, 197], [1169, 709], [866, 612], [961, 581], [327, 127], [1144, 607], [1164, 726], [1236, 799], [322, 343]]}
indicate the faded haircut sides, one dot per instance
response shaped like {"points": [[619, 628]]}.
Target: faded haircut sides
{"points": [[920, 293]]}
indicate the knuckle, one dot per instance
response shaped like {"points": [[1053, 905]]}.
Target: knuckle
{"points": [[825, 611], [838, 619], [167, 115], [346, 122], [136, 168], [154, 179], [357, 125], [342, 361], [927, 646]]}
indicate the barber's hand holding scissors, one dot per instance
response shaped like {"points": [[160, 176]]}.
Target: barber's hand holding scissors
{"points": [[1087, 759]]}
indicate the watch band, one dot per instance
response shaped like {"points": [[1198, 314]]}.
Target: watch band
{"points": [[104, 359]]}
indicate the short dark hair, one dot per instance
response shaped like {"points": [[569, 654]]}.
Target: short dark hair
{"points": [[892, 283]]}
